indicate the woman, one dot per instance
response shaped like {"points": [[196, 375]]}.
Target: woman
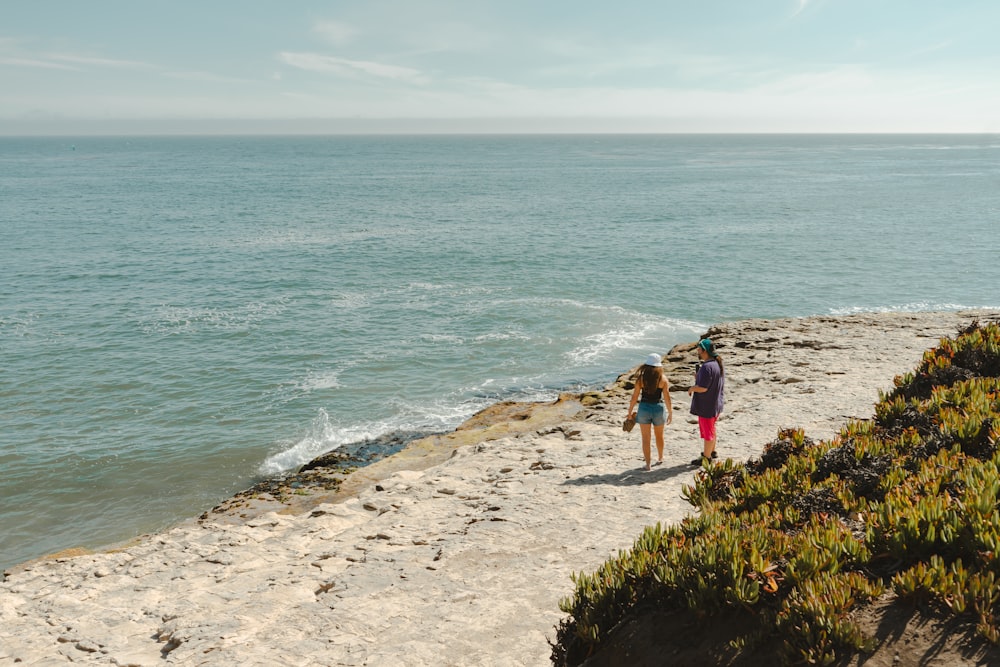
{"points": [[707, 397], [651, 391]]}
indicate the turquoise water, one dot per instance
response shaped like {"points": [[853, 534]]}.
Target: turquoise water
{"points": [[180, 317]]}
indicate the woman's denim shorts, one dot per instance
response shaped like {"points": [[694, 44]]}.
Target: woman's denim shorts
{"points": [[651, 413]]}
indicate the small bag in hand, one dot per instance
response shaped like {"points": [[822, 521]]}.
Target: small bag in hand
{"points": [[629, 423]]}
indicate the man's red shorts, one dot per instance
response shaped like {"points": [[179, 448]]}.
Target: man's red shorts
{"points": [[706, 427]]}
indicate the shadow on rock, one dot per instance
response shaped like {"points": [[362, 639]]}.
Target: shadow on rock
{"points": [[632, 477]]}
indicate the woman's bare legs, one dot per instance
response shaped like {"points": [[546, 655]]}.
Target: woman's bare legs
{"points": [[658, 431], [646, 453]]}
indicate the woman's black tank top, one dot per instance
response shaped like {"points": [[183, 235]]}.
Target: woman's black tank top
{"points": [[651, 396]]}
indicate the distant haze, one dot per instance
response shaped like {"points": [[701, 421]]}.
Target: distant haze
{"points": [[384, 66]]}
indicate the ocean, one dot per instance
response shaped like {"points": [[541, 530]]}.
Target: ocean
{"points": [[181, 317]]}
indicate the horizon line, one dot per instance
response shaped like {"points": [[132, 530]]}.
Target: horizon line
{"points": [[438, 126]]}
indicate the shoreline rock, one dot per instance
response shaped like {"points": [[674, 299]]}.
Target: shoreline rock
{"points": [[458, 549], [334, 476]]}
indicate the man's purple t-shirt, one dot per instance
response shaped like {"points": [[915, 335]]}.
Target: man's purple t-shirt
{"points": [[709, 403]]}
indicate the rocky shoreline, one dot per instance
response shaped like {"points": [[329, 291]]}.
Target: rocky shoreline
{"points": [[457, 549], [337, 475]]}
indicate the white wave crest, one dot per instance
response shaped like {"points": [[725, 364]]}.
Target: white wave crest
{"points": [[917, 307], [443, 338], [319, 381], [323, 436], [634, 332], [180, 319], [349, 301], [501, 336]]}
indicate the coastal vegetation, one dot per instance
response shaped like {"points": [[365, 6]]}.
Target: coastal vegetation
{"points": [[789, 550]]}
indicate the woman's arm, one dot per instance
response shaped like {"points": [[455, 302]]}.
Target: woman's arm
{"points": [[666, 399], [635, 397]]}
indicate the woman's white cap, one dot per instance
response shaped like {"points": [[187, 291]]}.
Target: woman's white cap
{"points": [[654, 360]]}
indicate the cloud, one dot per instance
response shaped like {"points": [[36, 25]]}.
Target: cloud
{"points": [[335, 31], [932, 48], [205, 76], [314, 62], [32, 62], [811, 5], [840, 78], [99, 62], [66, 61]]}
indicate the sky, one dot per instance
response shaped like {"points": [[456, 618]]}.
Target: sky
{"points": [[227, 66]]}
